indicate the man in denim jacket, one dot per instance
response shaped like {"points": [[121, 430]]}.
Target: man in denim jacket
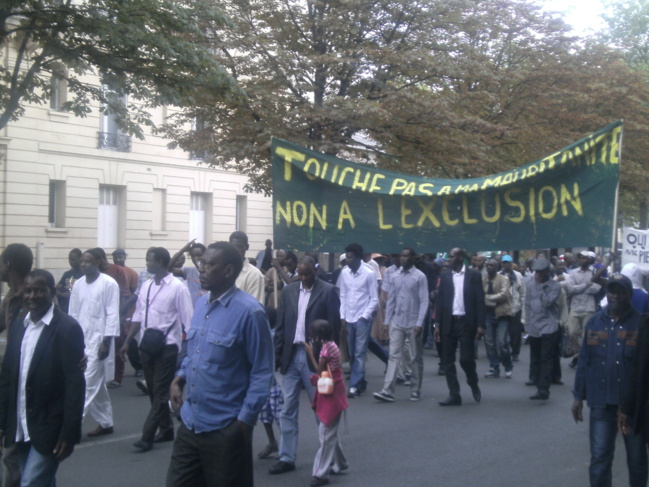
{"points": [[604, 373]]}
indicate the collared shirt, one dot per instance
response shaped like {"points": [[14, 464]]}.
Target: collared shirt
{"points": [[30, 339], [170, 307], [302, 304], [193, 283], [229, 365], [251, 280], [607, 359], [458, 294], [408, 302], [358, 293]]}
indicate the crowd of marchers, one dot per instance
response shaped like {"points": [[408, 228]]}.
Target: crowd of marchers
{"points": [[207, 339]]}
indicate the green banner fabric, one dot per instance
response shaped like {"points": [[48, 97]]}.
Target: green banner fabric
{"points": [[322, 203]]}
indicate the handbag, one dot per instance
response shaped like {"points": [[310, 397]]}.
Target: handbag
{"points": [[153, 340], [566, 344]]}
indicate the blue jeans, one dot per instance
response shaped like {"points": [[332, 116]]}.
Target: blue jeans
{"points": [[297, 377], [358, 335], [603, 430], [497, 342], [37, 470]]}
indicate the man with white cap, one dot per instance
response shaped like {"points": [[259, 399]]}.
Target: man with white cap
{"points": [[581, 291]]}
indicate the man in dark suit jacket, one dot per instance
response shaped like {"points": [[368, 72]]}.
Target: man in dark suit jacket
{"points": [[459, 321], [301, 303], [41, 411]]}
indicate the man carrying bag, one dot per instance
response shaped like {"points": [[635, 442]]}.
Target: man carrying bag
{"points": [[163, 307]]}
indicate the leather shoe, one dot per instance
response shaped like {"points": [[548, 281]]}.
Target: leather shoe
{"points": [[451, 401], [530, 383], [541, 395], [557, 382], [477, 393], [164, 436], [99, 431], [281, 467], [317, 482], [143, 445]]}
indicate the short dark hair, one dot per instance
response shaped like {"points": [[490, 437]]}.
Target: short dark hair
{"points": [[229, 254], [291, 256], [313, 255], [239, 235], [322, 329], [355, 249], [96, 254], [20, 257], [46, 276], [161, 255], [197, 245], [101, 253], [412, 251], [307, 260], [76, 251]]}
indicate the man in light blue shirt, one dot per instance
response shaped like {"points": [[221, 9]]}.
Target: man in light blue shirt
{"points": [[405, 313], [358, 302], [228, 372]]}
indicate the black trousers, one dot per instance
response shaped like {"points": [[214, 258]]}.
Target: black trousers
{"points": [[159, 371], [465, 337], [515, 331], [221, 458], [543, 354]]}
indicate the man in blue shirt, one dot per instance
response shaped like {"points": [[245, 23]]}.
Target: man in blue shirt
{"points": [[604, 374], [228, 372]]}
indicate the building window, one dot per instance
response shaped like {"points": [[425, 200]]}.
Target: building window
{"points": [[58, 87], [242, 212], [159, 213], [200, 216], [56, 218], [111, 136], [108, 217], [199, 128]]}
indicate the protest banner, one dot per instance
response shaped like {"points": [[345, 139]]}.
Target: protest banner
{"points": [[634, 247], [567, 199]]}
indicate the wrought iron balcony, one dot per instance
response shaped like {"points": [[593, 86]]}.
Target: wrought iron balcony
{"points": [[117, 142]]}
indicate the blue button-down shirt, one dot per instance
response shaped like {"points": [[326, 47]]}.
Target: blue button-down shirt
{"points": [[607, 359], [229, 365]]}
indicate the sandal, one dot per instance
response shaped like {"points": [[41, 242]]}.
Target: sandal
{"points": [[268, 451]]}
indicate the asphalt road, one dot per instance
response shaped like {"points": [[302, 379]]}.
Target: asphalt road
{"points": [[507, 440]]}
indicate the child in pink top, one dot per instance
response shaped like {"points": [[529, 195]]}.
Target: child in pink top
{"points": [[328, 408]]}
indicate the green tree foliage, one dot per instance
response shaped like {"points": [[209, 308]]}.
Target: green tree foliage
{"points": [[152, 50], [628, 31], [453, 89]]}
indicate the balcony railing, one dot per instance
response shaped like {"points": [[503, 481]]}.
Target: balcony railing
{"points": [[116, 142]]}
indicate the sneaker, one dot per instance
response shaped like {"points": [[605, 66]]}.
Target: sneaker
{"points": [[492, 374], [268, 450], [509, 373], [353, 393], [383, 396], [113, 384], [415, 396]]}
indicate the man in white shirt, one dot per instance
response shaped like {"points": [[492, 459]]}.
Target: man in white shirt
{"points": [[94, 303], [250, 279], [358, 302], [164, 305]]}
